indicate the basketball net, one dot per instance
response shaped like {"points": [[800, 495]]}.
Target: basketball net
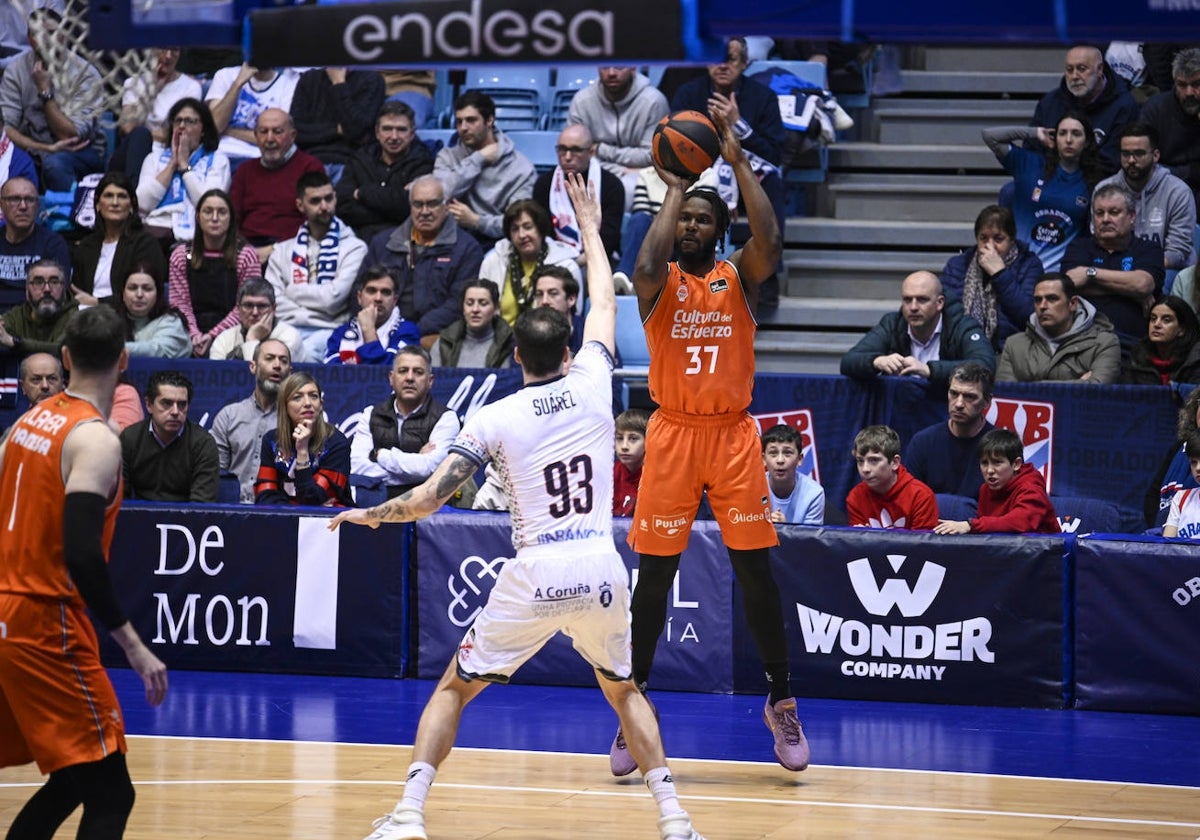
{"points": [[56, 41]]}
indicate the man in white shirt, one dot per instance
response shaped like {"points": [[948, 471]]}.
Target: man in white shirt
{"points": [[403, 439]]}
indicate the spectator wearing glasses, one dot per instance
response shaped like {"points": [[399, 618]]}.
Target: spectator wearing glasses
{"points": [[206, 274], [23, 241], [40, 324], [430, 257], [373, 191], [256, 323], [189, 165], [576, 153]]}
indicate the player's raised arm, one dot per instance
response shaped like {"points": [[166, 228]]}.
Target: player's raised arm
{"points": [[418, 502], [758, 259], [601, 322], [650, 270]]}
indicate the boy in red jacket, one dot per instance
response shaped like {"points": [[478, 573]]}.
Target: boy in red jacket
{"points": [[888, 497], [1013, 497], [631, 454]]}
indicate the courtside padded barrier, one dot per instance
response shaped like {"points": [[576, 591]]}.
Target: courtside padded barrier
{"points": [[884, 615]]}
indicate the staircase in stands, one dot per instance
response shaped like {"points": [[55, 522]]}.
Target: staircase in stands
{"points": [[901, 195]]}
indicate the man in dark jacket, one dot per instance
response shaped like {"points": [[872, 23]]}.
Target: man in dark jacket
{"points": [[40, 324], [167, 457], [927, 337], [1176, 115], [1091, 87], [430, 257], [372, 193]]}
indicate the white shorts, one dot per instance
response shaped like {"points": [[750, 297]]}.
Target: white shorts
{"points": [[585, 596]]}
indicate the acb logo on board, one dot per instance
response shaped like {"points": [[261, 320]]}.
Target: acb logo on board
{"points": [[1033, 423], [800, 419]]}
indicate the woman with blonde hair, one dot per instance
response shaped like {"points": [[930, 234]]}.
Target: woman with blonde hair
{"points": [[305, 460]]}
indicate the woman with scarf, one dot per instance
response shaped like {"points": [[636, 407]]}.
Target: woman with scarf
{"points": [[305, 459], [994, 280], [206, 274], [1169, 352], [514, 261], [174, 175]]}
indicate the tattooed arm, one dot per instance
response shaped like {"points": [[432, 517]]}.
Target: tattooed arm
{"points": [[418, 502]]}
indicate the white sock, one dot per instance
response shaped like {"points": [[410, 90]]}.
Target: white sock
{"points": [[416, 789], [662, 787]]}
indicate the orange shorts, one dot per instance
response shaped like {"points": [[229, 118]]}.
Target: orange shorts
{"points": [[57, 705], [687, 454]]}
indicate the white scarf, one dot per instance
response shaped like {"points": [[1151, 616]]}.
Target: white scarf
{"points": [[183, 212], [6, 156], [352, 339], [327, 259], [562, 213]]}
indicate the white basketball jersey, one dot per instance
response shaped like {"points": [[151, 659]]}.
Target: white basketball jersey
{"points": [[552, 445]]}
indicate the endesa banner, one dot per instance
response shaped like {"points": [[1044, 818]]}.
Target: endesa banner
{"points": [[460, 555], [225, 588], [1137, 616], [918, 617]]}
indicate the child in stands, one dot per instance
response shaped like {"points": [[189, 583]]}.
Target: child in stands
{"points": [[795, 497], [1013, 497], [1184, 518], [888, 496], [631, 452]]}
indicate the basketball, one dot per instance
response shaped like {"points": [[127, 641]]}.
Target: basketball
{"points": [[685, 143]]}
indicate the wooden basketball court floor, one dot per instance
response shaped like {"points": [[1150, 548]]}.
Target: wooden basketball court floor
{"points": [[277, 756]]}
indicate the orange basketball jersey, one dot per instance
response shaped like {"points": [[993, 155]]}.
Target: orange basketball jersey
{"points": [[701, 340], [32, 499]]}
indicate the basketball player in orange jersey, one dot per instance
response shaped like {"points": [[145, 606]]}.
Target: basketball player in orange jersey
{"points": [[699, 322], [60, 476]]}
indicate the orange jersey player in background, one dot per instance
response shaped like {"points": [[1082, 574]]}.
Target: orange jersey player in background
{"points": [[699, 322], [60, 471]]}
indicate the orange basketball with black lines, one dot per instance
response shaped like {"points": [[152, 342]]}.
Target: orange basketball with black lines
{"points": [[685, 143]]}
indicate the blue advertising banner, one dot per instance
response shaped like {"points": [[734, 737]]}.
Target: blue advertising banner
{"points": [[907, 616], [460, 554], [243, 589], [1137, 616]]}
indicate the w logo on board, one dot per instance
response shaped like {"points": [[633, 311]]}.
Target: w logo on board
{"points": [[895, 592]]}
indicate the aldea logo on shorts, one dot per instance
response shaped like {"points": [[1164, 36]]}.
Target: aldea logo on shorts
{"points": [[895, 651], [469, 589]]}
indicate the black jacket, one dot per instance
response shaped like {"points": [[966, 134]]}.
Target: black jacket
{"points": [[382, 200]]}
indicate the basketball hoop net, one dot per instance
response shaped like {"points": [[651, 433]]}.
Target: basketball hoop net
{"points": [[58, 40]]}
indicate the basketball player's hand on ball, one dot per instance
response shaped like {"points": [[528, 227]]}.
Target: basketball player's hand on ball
{"points": [[731, 147]]}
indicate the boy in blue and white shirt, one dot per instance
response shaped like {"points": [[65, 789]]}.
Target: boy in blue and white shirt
{"points": [[1184, 518], [795, 497]]}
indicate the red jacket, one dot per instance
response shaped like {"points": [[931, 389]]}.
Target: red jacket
{"points": [[909, 505], [1020, 507], [265, 199], [625, 489]]}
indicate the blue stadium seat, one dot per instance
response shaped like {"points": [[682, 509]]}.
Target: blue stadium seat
{"points": [[438, 138], [631, 337], [570, 81], [538, 146], [954, 507], [517, 90], [1079, 515]]}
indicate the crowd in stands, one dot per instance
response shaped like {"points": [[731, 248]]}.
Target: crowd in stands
{"points": [[287, 215]]}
